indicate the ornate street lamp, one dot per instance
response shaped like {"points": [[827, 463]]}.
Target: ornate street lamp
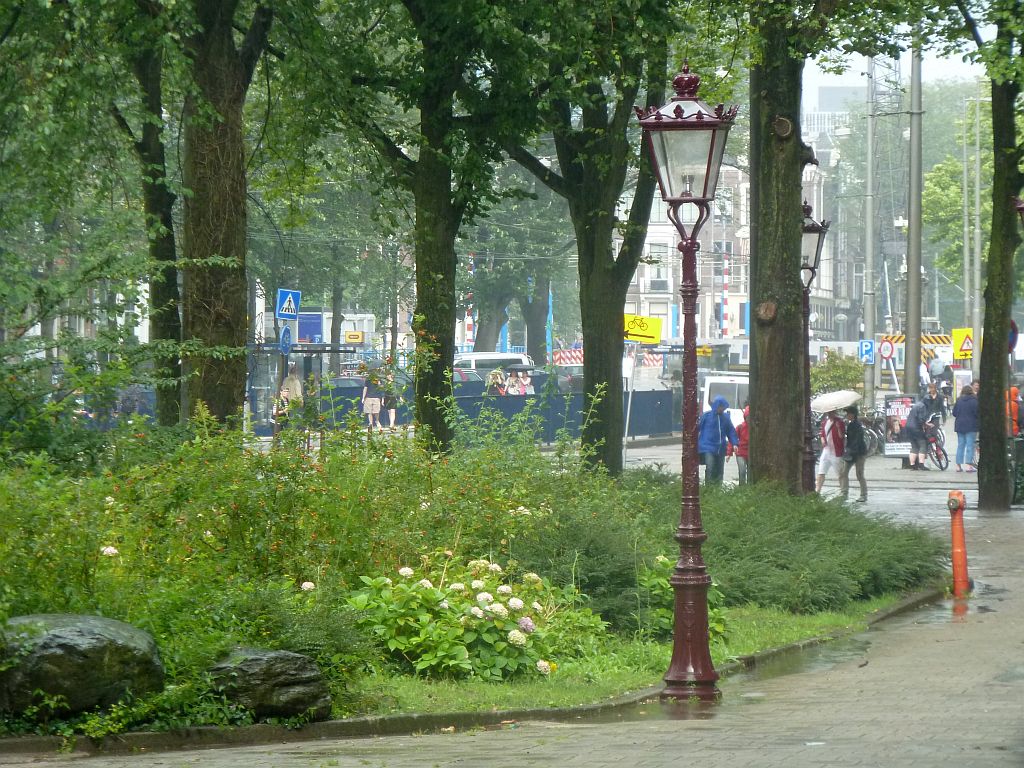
{"points": [[811, 245], [686, 140]]}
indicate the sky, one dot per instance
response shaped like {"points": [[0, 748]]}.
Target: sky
{"points": [[932, 69]]}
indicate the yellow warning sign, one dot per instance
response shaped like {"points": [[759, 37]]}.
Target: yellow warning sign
{"points": [[963, 343], [354, 337], [704, 351], [646, 330]]}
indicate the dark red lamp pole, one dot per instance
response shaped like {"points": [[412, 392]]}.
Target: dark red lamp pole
{"points": [[686, 140], [811, 244]]}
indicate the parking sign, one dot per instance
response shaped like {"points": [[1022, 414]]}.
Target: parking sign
{"points": [[866, 351]]}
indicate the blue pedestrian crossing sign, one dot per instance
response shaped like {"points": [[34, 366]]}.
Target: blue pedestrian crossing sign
{"points": [[866, 351], [287, 307]]}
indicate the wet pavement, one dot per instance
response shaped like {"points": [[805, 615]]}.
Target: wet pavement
{"points": [[942, 685]]}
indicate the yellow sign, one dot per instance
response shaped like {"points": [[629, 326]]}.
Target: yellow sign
{"points": [[354, 337], [963, 343], [646, 330], [704, 351]]}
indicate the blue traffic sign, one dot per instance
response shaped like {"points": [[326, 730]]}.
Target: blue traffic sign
{"points": [[286, 340], [287, 307], [866, 351]]}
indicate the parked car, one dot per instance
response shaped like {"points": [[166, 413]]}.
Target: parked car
{"points": [[570, 378], [487, 361]]}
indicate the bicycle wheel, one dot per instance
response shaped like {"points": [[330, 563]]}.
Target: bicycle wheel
{"points": [[871, 441], [938, 455]]}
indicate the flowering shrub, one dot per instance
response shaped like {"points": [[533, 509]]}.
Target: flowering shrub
{"points": [[458, 631]]}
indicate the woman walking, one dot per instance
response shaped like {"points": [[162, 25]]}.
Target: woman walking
{"points": [[966, 424]]}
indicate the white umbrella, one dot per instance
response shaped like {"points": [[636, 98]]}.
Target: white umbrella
{"points": [[833, 401]]}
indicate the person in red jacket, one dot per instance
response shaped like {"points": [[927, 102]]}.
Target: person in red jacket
{"points": [[742, 450]]}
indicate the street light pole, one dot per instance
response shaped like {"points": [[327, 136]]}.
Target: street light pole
{"points": [[686, 140], [811, 244]]}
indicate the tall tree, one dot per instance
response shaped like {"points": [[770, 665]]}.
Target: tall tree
{"points": [[215, 290], [996, 30], [601, 59], [784, 35]]}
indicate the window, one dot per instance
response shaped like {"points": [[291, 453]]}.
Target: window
{"points": [[657, 254], [659, 210], [629, 308], [858, 281]]}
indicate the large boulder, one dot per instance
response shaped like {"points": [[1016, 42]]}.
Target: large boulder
{"points": [[273, 683], [90, 661]]}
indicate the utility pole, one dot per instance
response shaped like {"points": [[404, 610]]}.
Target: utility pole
{"points": [[912, 358], [869, 238]]}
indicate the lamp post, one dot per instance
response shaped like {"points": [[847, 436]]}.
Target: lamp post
{"points": [[686, 140], [811, 244]]}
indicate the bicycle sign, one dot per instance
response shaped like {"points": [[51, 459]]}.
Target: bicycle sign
{"points": [[646, 330]]}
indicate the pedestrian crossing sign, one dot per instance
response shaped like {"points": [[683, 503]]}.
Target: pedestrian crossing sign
{"points": [[287, 307], [963, 343]]}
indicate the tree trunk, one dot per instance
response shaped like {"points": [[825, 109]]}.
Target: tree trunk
{"points": [[778, 400], [535, 312], [437, 224], [994, 480], [158, 204], [492, 314], [215, 210], [602, 298]]}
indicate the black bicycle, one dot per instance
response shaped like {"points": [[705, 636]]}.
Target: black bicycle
{"points": [[935, 438]]}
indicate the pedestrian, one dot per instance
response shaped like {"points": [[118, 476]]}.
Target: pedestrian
{"points": [[373, 397], [515, 385], [833, 438], [495, 383], [390, 399], [742, 449], [713, 432], [855, 453], [924, 377], [914, 428], [936, 401], [293, 384], [966, 423]]}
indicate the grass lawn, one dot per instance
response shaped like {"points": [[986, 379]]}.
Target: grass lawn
{"points": [[619, 667]]}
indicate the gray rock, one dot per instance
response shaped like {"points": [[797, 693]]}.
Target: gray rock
{"points": [[273, 683], [88, 660]]}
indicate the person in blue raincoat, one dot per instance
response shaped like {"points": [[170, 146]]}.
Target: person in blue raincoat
{"points": [[713, 432]]}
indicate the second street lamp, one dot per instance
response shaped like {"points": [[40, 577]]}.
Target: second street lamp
{"points": [[686, 141], [811, 244]]}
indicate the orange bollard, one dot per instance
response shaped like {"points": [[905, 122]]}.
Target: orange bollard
{"points": [[961, 584]]}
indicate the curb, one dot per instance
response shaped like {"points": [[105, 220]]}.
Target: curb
{"points": [[208, 737]]}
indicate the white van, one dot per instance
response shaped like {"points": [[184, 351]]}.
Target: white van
{"points": [[734, 387], [488, 361]]}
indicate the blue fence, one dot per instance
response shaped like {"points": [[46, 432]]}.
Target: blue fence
{"points": [[651, 412]]}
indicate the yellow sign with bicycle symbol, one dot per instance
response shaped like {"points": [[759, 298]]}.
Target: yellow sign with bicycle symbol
{"points": [[646, 330]]}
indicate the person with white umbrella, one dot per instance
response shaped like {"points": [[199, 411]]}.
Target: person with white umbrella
{"points": [[833, 440]]}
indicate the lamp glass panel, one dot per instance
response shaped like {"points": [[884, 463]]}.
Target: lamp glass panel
{"points": [[682, 159]]}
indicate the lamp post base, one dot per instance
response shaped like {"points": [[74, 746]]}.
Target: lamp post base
{"points": [[691, 692]]}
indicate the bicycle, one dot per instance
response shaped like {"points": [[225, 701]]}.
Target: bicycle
{"points": [[935, 438]]}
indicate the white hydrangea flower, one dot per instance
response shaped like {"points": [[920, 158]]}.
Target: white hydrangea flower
{"points": [[109, 501], [457, 586], [476, 611], [388, 581], [307, 586], [505, 589], [425, 583], [515, 604], [443, 605], [477, 584], [543, 667], [498, 610], [484, 597], [537, 606], [517, 638], [531, 578], [109, 551], [405, 572], [494, 568], [478, 565]]}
